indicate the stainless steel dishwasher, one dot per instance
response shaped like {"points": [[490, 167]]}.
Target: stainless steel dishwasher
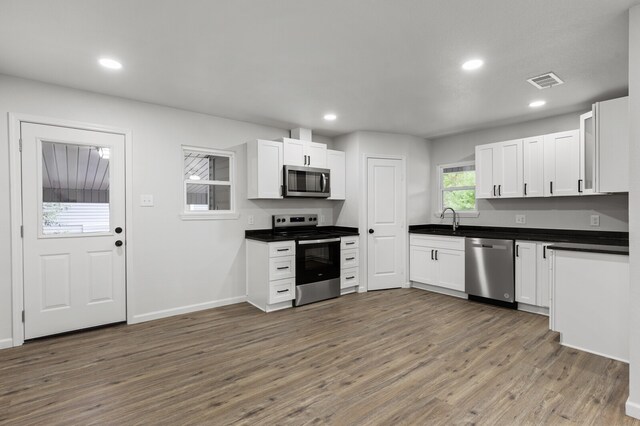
{"points": [[489, 270]]}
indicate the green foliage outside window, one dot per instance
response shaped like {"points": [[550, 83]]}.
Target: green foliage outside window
{"points": [[458, 188]]}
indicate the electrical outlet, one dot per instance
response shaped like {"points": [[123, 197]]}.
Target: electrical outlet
{"points": [[146, 200], [251, 219], [595, 220], [520, 218]]}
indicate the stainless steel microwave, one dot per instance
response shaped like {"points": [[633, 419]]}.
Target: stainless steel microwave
{"points": [[301, 181]]}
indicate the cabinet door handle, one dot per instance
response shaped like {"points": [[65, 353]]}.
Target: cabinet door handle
{"points": [[525, 189], [349, 278], [280, 268], [494, 190], [436, 254], [350, 258], [544, 252], [285, 249], [432, 255], [579, 185], [350, 243], [283, 291], [309, 160], [551, 187], [305, 160], [517, 250], [499, 190]]}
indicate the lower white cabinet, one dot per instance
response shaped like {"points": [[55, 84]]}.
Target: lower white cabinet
{"points": [[532, 274], [437, 261], [349, 264], [271, 274]]}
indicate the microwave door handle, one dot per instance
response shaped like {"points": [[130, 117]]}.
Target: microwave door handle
{"points": [[323, 182]]}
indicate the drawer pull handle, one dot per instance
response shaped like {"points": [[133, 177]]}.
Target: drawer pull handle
{"points": [[350, 278], [350, 243], [350, 258], [283, 291], [283, 249], [280, 268]]}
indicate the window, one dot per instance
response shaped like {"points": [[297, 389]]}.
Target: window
{"points": [[458, 187], [208, 183]]}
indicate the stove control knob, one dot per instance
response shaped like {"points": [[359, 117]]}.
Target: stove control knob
{"points": [[284, 220], [278, 220]]}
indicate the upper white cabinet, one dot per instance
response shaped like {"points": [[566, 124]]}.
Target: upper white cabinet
{"points": [[562, 163], [304, 153], [264, 169], [533, 169], [499, 170], [336, 163], [611, 122]]}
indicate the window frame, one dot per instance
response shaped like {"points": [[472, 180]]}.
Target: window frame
{"points": [[209, 214], [465, 213]]}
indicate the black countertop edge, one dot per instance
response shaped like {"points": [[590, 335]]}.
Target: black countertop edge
{"points": [[527, 234], [590, 248], [266, 235]]}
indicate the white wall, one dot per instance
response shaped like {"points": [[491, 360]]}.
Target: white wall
{"points": [[633, 404], [560, 212], [176, 263]]}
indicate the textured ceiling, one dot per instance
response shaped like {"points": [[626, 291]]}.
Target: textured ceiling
{"points": [[380, 65]]}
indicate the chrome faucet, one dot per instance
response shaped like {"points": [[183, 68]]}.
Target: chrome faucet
{"points": [[455, 217]]}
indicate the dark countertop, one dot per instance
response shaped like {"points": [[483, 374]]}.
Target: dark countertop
{"points": [[266, 235], [591, 248], [620, 239]]}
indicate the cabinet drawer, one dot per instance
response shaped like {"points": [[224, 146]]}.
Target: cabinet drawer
{"points": [[350, 278], [282, 290], [349, 242], [282, 267], [451, 243], [282, 248], [349, 259]]}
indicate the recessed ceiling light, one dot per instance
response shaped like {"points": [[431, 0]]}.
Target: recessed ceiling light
{"points": [[473, 64], [330, 117], [112, 64], [536, 104]]}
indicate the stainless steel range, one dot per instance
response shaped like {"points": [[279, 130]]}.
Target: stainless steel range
{"points": [[317, 257]]}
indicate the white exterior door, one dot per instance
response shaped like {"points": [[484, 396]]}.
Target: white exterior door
{"points": [[533, 154], [386, 210], [73, 192]]}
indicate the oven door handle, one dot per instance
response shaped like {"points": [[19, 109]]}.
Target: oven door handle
{"points": [[328, 240]]}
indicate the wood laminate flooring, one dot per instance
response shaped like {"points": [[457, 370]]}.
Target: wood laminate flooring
{"points": [[402, 356]]}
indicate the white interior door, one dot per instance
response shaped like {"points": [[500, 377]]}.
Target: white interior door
{"points": [[73, 195], [386, 210]]}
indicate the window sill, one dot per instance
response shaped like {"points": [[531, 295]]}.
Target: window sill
{"points": [[474, 213], [210, 216]]}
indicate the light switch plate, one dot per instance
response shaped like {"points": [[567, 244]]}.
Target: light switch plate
{"points": [[321, 218], [520, 218], [146, 200], [251, 219], [595, 220]]}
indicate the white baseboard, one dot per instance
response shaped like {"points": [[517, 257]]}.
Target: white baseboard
{"points": [[563, 343], [441, 290], [632, 409], [6, 343], [532, 309], [186, 309]]}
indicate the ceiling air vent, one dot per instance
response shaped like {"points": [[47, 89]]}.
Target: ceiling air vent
{"points": [[545, 81]]}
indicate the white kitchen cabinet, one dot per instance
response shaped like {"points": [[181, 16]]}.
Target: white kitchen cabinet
{"points": [[264, 169], [532, 276], [336, 163], [562, 163], [349, 264], [271, 271], [611, 119], [526, 273], [533, 168], [437, 261], [304, 153], [499, 170]]}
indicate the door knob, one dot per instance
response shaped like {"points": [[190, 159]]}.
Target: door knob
{"points": [[119, 243], [118, 230], [371, 231]]}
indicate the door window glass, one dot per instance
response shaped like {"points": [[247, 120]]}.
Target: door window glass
{"points": [[75, 189]]}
